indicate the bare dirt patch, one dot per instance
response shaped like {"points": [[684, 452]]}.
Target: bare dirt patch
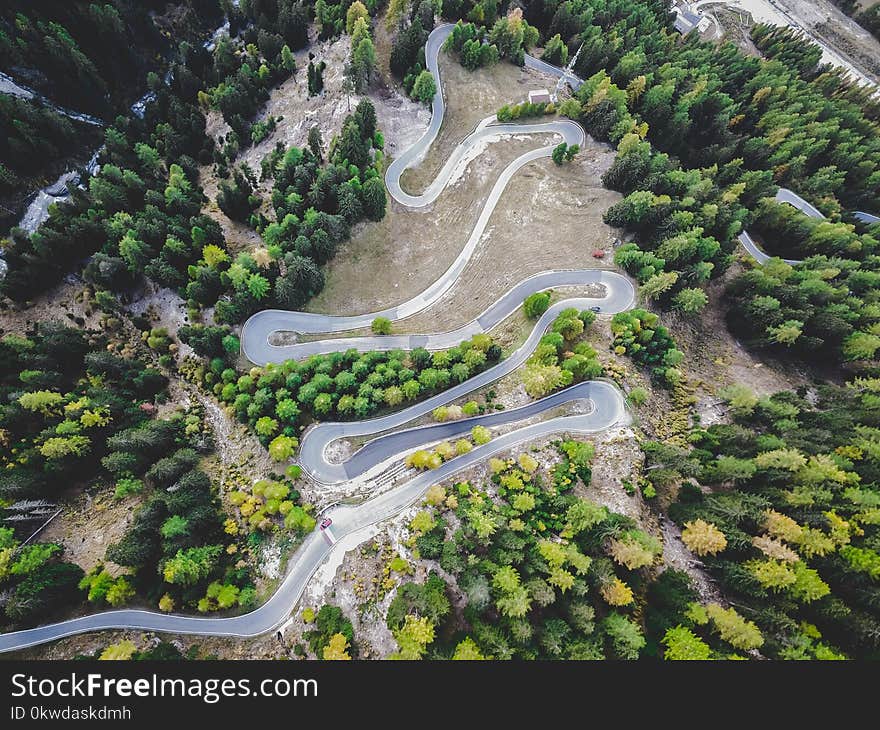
{"points": [[862, 47], [388, 262], [193, 647], [391, 261], [549, 217], [90, 522], [618, 459], [338, 452], [401, 121], [164, 308], [833, 27], [355, 584], [735, 24], [714, 358], [239, 454], [236, 444], [470, 97], [64, 304]]}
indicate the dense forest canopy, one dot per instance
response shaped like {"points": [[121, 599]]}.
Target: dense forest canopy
{"points": [[789, 525], [92, 57], [141, 215], [780, 501], [83, 58], [79, 407], [705, 137]]}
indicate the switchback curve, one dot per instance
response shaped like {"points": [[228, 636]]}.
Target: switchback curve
{"points": [[609, 409], [784, 195], [257, 329], [347, 520], [257, 338], [315, 441]]}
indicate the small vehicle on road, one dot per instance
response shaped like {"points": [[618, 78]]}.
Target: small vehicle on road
{"points": [[595, 309], [325, 523]]}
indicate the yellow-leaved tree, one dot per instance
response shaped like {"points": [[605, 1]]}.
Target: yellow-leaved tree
{"points": [[617, 593], [703, 538], [337, 649], [467, 650], [121, 651], [413, 637]]}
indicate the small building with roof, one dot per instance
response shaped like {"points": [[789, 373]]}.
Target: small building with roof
{"points": [[686, 21], [539, 96]]}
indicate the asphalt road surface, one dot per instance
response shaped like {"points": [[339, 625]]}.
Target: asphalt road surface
{"points": [[314, 443], [784, 195], [608, 409], [257, 329]]}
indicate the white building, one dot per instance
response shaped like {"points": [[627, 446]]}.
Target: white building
{"points": [[539, 96], [686, 21]]}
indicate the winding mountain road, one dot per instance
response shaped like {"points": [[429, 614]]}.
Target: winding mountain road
{"points": [[608, 407], [607, 404], [315, 441], [258, 329], [374, 453], [347, 519], [784, 195]]}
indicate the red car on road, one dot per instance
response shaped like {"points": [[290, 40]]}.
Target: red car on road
{"points": [[325, 523]]}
